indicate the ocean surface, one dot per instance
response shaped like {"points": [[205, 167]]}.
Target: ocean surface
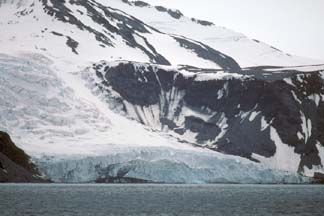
{"points": [[159, 199]]}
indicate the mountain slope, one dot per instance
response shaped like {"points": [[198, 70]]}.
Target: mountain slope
{"points": [[274, 119], [74, 137], [247, 52], [171, 118], [84, 31]]}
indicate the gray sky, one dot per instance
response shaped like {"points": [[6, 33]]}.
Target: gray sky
{"points": [[294, 26]]}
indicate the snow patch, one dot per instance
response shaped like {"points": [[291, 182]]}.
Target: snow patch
{"points": [[264, 124], [316, 98], [306, 126], [253, 115], [285, 157], [218, 76], [222, 124]]}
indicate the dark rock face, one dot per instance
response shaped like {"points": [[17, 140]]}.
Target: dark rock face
{"points": [[161, 8], [129, 87], [174, 13], [235, 116], [69, 42], [121, 180], [206, 52], [205, 130], [72, 44], [15, 165], [116, 173], [202, 22], [141, 4], [319, 178]]}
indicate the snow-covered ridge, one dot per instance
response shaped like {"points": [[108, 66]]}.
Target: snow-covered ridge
{"points": [[174, 13], [227, 41], [91, 30]]}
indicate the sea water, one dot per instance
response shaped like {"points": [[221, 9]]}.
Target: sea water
{"points": [[160, 199]]}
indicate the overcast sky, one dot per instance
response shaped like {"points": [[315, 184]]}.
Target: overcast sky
{"points": [[294, 26]]}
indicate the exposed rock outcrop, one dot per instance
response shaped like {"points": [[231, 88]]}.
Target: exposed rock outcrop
{"points": [[15, 164], [273, 118]]}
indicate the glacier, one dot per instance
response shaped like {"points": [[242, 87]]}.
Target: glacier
{"points": [[76, 139], [164, 165]]}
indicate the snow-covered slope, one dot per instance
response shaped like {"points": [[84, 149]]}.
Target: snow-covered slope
{"points": [[247, 52], [85, 31], [168, 119]]}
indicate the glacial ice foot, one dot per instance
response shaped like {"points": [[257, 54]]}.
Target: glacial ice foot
{"points": [[163, 165]]}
